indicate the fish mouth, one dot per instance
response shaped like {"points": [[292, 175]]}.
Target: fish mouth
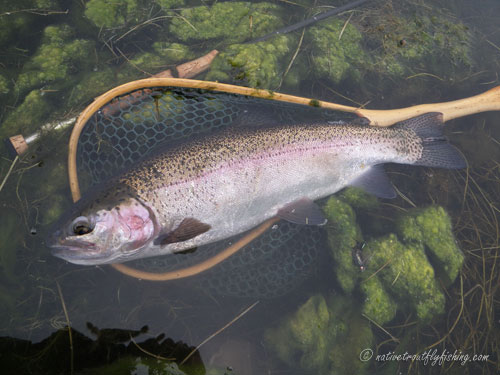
{"points": [[75, 245], [77, 251]]}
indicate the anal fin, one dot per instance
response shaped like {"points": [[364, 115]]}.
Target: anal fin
{"points": [[303, 211], [376, 182]]}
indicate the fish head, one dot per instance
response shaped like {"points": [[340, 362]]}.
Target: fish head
{"points": [[109, 229]]}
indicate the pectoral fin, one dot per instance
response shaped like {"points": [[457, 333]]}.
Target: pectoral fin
{"points": [[187, 229], [303, 211]]}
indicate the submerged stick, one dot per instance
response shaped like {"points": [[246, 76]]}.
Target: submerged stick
{"points": [[219, 331], [72, 354], [309, 21]]}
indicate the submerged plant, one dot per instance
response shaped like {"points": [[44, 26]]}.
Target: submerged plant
{"points": [[406, 278], [254, 65], [231, 22], [59, 58], [322, 337]]}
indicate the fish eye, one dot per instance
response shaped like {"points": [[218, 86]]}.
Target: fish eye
{"points": [[81, 225]]}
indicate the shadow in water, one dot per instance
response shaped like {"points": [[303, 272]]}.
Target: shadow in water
{"points": [[111, 351]]}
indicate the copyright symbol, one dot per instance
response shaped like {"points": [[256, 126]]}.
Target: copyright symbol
{"points": [[366, 355]]}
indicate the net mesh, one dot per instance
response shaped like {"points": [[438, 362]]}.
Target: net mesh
{"points": [[131, 126]]}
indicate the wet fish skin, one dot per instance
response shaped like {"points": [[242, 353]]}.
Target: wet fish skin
{"points": [[213, 188]]}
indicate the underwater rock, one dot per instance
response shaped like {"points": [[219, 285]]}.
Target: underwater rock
{"points": [[336, 50], [234, 22], [59, 58], [322, 337], [431, 226]]}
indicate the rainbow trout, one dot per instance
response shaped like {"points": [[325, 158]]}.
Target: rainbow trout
{"points": [[215, 187]]}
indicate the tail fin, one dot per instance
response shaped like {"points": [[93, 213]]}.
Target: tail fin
{"points": [[437, 152]]}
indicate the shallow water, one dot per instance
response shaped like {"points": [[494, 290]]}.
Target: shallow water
{"points": [[33, 308]]}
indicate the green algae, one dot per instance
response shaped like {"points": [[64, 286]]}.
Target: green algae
{"points": [[165, 55], [110, 13], [406, 279], [320, 335], [418, 39], [168, 4], [4, 85], [357, 198], [58, 59], [378, 305], [132, 364], [254, 65], [407, 275], [336, 51], [343, 234], [233, 22], [28, 116], [19, 17], [92, 85], [432, 227]]}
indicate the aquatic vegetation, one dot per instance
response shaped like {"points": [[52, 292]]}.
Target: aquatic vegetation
{"points": [[255, 65], [4, 85], [165, 54], [92, 84], [167, 4], [432, 227], [59, 58], [322, 337], [425, 39], [406, 277], [130, 364], [26, 117], [378, 304], [234, 22], [343, 234], [357, 198], [336, 50], [109, 13], [15, 24], [173, 53]]}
